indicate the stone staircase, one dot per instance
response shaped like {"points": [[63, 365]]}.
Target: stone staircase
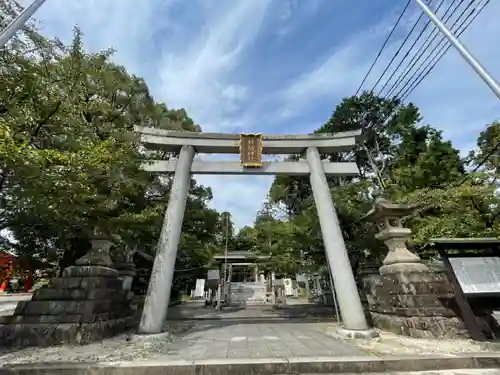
{"points": [[248, 293]]}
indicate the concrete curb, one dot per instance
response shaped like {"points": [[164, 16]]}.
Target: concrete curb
{"points": [[323, 365]]}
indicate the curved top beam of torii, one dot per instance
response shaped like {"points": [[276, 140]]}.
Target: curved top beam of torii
{"points": [[224, 143]]}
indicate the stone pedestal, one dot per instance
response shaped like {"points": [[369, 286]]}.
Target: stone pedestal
{"points": [[126, 271], [86, 304], [406, 297], [416, 304]]}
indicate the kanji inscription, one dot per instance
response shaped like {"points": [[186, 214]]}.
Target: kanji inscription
{"points": [[251, 150]]}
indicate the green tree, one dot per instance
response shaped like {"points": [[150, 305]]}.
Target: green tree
{"points": [[487, 154], [425, 168], [71, 161]]}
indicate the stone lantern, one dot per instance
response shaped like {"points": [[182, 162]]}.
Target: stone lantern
{"points": [[388, 216], [125, 265], [99, 253]]}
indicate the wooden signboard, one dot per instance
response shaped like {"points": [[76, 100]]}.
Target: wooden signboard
{"points": [[251, 150]]}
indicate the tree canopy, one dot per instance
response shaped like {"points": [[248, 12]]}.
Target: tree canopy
{"points": [[456, 198], [70, 159]]}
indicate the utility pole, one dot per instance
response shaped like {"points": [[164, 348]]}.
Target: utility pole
{"points": [[19, 22], [471, 60]]}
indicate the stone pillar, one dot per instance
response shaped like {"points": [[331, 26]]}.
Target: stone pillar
{"points": [[256, 274], [155, 309], [351, 309]]}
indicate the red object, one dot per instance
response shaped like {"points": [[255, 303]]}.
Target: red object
{"points": [[3, 285], [28, 283], [6, 262], [6, 259]]}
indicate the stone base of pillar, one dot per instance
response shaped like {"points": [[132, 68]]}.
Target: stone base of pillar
{"points": [[417, 304], [403, 268], [150, 338], [355, 334]]}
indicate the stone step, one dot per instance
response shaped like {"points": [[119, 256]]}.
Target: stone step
{"points": [[467, 364]]}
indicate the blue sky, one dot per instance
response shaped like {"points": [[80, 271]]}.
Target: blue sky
{"points": [[275, 66]]}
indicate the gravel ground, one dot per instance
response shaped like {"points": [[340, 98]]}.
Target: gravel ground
{"points": [[391, 344], [117, 349]]}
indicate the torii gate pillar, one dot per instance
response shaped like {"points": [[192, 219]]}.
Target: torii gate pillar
{"points": [[155, 309], [351, 309]]}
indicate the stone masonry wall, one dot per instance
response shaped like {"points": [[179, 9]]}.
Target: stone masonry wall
{"points": [[413, 304], [86, 304]]}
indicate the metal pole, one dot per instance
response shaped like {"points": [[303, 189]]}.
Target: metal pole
{"points": [[19, 22], [225, 246], [334, 296], [225, 261], [473, 62]]}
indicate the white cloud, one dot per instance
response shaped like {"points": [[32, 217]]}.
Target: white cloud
{"points": [[332, 77], [198, 76]]}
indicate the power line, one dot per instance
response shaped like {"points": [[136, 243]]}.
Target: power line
{"points": [[389, 118], [470, 59], [454, 40], [409, 50], [398, 50], [424, 47], [420, 52], [442, 44], [409, 88], [383, 47]]}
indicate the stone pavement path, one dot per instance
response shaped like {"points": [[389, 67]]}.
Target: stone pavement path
{"points": [[223, 339], [197, 311], [241, 334]]}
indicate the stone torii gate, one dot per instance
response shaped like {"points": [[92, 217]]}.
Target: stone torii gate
{"points": [[250, 147]]}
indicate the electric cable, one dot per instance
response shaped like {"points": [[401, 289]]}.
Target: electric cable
{"points": [[424, 47], [388, 119], [398, 50], [406, 91], [439, 47], [383, 47]]}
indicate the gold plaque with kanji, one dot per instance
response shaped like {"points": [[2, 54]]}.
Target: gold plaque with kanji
{"points": [[251, 150]]}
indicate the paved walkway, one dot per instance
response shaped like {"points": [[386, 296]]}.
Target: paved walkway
{"points": [[303, 311], [242, 333], [219, 339], [258, 332]]}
